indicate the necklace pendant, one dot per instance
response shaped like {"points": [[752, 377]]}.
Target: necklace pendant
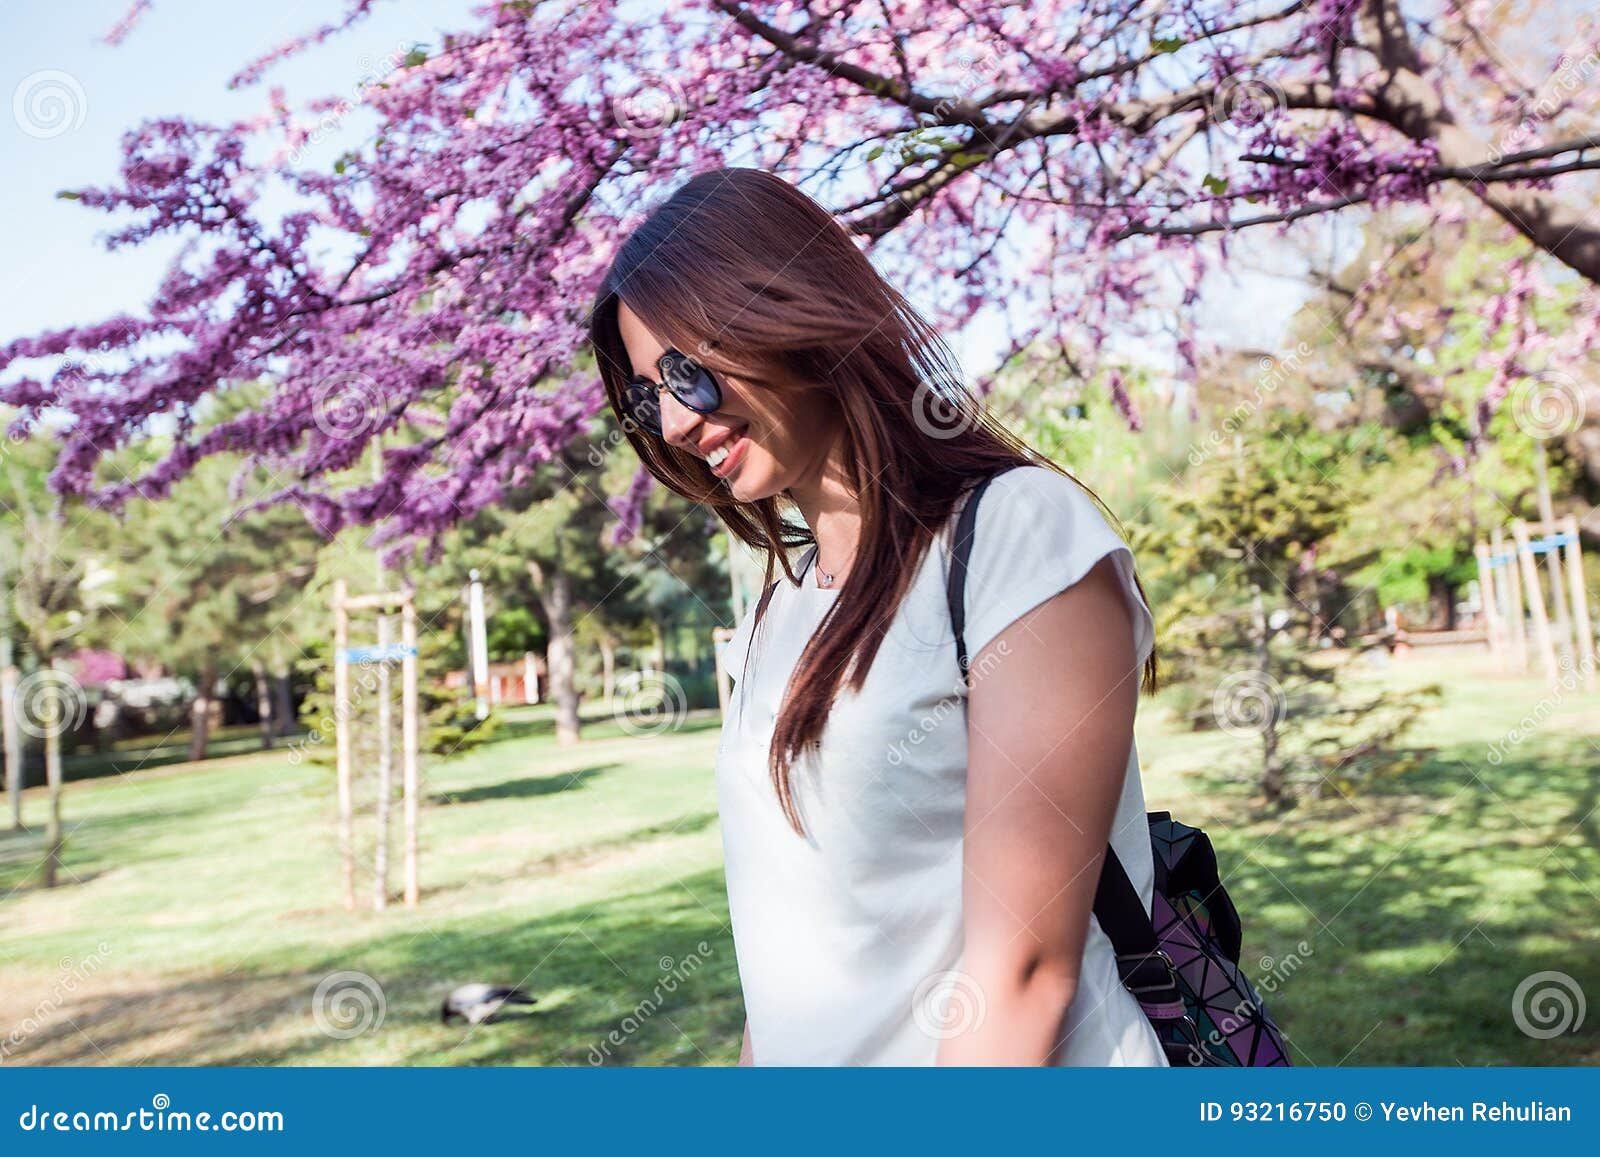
{"points": [[824, 578]]}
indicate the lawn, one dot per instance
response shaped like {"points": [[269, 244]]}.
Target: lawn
{"points": [[200, 913]]}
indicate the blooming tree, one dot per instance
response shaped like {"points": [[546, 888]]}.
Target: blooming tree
{"points": [[1083, 161]]}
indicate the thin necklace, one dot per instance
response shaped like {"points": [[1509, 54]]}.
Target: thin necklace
{"points": [[826, 579]]}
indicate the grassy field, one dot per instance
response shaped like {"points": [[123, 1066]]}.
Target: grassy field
{"points": [[200, 909]]}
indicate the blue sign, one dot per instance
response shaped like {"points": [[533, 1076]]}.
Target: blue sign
{"points": [[393, 653]]}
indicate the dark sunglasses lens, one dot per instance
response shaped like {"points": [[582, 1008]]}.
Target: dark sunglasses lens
{"points": [[691, 383], [643, 406]]}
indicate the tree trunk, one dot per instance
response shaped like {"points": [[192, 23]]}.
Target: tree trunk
{"points": [[54, 720], [12, 734], [263, 703], [200, 714], [562, 659], [608, 667], [1272, 778], [554, 588], [283, 707]]}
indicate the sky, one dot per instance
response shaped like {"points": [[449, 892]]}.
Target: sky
{"points": [[73, 96]]}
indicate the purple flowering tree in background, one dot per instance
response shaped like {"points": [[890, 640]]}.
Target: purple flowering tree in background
{"points": [[1083, 162]]}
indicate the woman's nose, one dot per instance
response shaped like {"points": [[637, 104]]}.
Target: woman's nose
{"points": [[678, 422]]}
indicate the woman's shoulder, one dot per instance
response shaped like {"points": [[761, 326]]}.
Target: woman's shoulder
{"points": [[1039, 500], [1038, 531]]}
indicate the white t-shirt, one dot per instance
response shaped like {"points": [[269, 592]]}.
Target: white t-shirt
{"points": [[849, 940]]}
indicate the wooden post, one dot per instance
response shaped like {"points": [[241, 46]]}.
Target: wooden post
{"points": [[54, 717], [1488, 597], [1514, 616], [1535, 595], [1583, 630], [380, 859], [410, 729], [341, 742], [11, 731]]}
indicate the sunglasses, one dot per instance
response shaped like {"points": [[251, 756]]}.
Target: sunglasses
{"points": [[690, 382]]}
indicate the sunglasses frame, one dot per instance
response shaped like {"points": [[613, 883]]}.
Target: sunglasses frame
{"points": [[672, 366]]}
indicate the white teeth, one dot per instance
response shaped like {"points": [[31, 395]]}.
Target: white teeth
{"points": [[717, 456]]}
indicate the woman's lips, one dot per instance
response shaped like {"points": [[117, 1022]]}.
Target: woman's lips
{"points": [[736, 451]]}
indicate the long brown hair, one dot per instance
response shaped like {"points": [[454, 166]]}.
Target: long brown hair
{"points": [[750, 276]]}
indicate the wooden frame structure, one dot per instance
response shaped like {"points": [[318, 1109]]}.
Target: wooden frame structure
{"points": [[1509, 584], [405, 654]]}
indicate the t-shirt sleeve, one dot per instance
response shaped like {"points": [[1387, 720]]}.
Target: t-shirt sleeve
{"points": [[1037, 533], [738, 644]]}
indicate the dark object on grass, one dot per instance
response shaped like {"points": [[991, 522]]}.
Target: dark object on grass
{"points": [[476, 1003]]}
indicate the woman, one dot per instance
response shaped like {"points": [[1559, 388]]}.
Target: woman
{"points": [[911, 858]]}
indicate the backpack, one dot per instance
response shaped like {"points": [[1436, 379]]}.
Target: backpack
{"points": [[1181, 960]]}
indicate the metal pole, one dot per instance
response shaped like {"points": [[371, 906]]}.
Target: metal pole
{"points": [[479, 644], [410, 726], [341, 742]]}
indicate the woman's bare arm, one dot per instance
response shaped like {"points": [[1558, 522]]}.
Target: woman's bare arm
{"points": [[1050, 724]]}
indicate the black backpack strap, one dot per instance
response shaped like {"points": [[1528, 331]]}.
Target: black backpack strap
{"points": [[1145, 970], [956, 588]]}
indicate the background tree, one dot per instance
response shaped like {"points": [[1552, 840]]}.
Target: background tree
{"points": [[1239, 543], [1097, 146], [52, 595]]}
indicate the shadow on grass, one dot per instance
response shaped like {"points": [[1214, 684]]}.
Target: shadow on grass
{"points": [[646, 978], [528, 787], [598, 723], [1393, 928]]}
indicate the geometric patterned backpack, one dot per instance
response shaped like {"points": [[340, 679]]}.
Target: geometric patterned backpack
{"points": [[1181, 960]]}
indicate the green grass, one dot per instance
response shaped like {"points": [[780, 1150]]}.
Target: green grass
{"points": [[200, 905]]}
